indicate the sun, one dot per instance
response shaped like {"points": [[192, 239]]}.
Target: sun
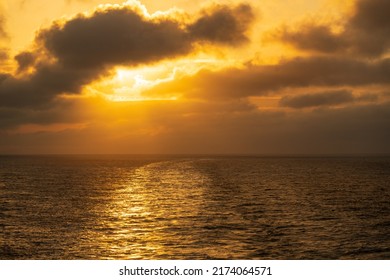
{"points": [[128, 84]]}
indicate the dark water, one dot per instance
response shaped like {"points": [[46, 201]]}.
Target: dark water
{"points": [[151, 207]]}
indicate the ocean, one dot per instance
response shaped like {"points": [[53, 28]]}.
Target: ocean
{"points": [[194, 207]]}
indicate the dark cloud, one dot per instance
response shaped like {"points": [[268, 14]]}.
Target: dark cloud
{"points": [[329, 98], [42, 87], [25, 60], [223, 25], [369, 27], [215, 114], [56, 113], [368, 97], [257, 80], [312, 37], [357, 129], [114, 36], [123, 36], [86, 47], [3, 76], [371, 15], [365, 33]]}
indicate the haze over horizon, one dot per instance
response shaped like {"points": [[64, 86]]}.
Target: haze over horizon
{"points": [[204, 77]]}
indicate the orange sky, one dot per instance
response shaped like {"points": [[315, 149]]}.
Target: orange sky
{"points": [[276, 77]]}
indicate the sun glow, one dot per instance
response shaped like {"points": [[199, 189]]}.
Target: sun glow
{"points": [[128, 84]]}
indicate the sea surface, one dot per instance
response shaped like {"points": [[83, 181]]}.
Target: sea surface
{"points": [[194, 207]]}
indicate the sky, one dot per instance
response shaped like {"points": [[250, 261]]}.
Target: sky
{"points": [[195, 77]]}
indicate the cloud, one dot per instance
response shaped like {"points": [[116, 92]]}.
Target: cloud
{"points": [[223, 25], [325, 99], [124, 36], [357, 129], [214, 112], [352, 129], [42, 87], [25, 60], [56, 113], [311, 37], [71, 54], [258, 80], [114, 36], [328, 98], [365, 33], [370, 27]]}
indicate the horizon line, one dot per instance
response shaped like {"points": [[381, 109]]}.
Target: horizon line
{"points": [[208, 154]]}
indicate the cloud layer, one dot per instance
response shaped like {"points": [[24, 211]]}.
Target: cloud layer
{"points": [[365, 33], [260, 80], [223, 25], [329, 96], [72, 54]]}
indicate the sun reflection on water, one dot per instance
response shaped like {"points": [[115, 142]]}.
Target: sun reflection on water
{"points": [[199, 208], [143, 217]]}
